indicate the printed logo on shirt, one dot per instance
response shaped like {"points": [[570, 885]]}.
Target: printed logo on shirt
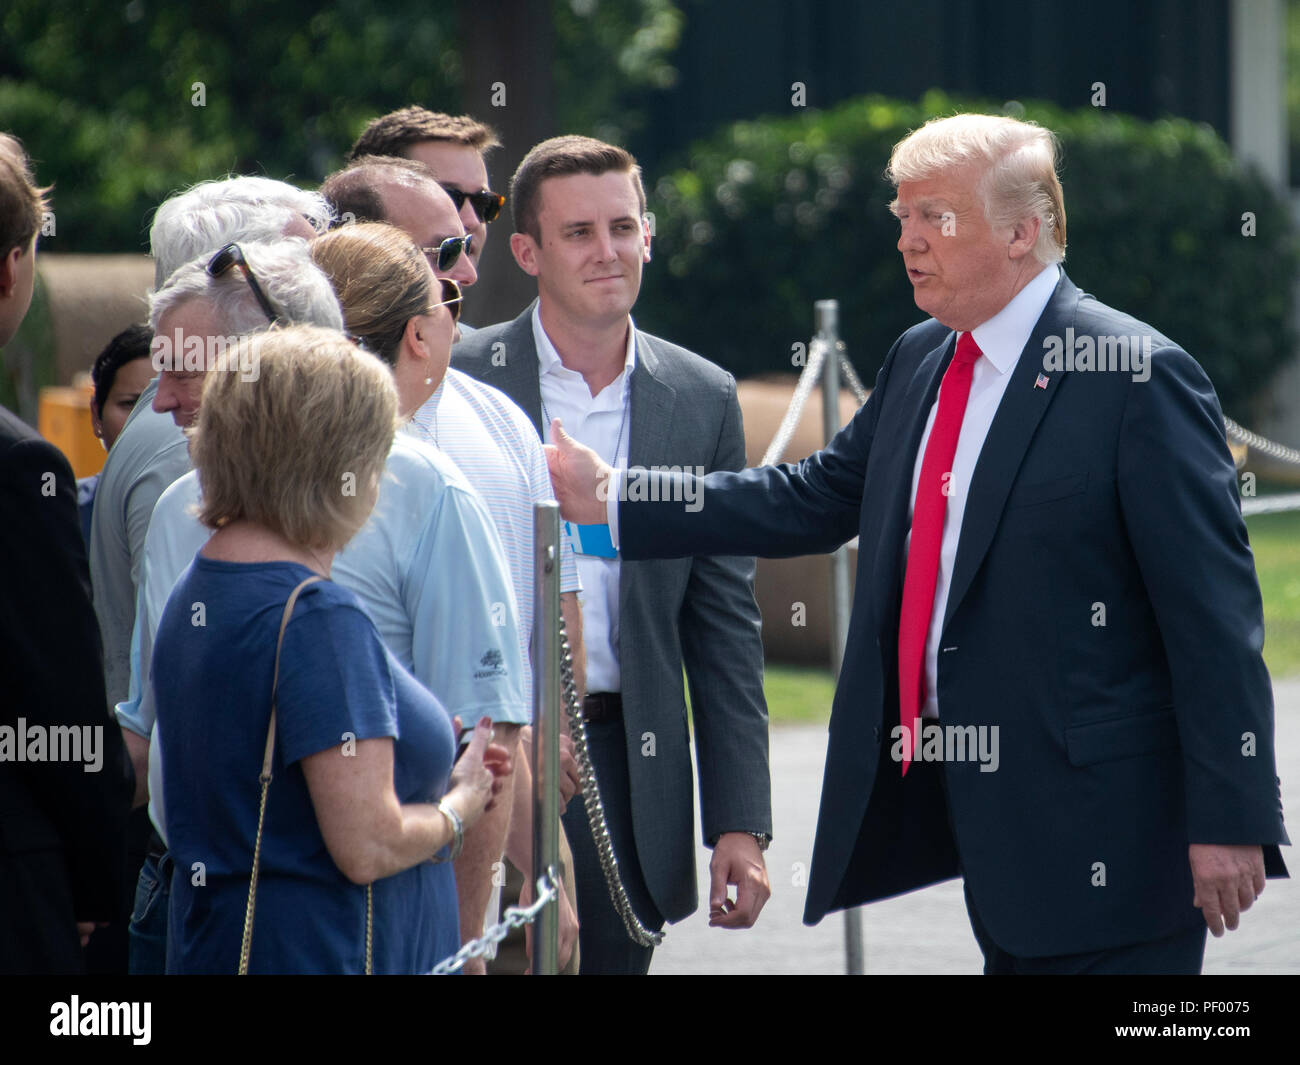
{"points": [[491, 665]]}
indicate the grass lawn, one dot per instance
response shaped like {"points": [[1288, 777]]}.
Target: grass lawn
{"points": [[801, 696], [1275, 539], [797, 695]]}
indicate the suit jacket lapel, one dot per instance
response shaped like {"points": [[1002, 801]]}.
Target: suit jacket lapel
{"points": [[651, 409], [651, 404], [515, 372], [1022, 408]]}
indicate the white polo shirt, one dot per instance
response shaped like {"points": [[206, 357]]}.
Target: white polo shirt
{"points": [[603, 422]]}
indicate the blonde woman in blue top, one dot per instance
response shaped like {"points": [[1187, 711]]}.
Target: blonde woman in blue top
{"points": [[363, 791]]}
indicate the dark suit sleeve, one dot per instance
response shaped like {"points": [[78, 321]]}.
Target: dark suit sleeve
{"points": [[1178, 490], [722, 650], [53, 673], [771, 511]]}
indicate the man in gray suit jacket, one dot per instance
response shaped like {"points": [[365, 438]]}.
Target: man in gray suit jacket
{"points": [[574, 355]]}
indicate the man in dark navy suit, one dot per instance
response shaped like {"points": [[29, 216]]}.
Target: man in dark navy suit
{"points": [[65, 784], [1053, 684]]}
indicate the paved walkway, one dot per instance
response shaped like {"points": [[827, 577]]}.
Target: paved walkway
{"points": [[927, 931]]}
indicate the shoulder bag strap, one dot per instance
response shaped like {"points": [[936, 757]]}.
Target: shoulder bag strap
{"points": [[266, 784]]}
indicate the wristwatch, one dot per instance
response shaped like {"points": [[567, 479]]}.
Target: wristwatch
{"points": [[761, 838]]}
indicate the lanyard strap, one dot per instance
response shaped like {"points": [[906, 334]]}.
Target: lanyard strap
{"points": [[622, 421], [267, 757]]}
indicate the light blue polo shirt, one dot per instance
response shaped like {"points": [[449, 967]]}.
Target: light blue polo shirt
{"points": [[428, 568], [491, 441]]}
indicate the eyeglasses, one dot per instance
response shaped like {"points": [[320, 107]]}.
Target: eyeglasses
{"points": [[486, 203], [444, 256], [451, 297], [232, 255]]}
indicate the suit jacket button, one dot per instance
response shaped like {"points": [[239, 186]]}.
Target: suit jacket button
{"points": [[875, 733]]}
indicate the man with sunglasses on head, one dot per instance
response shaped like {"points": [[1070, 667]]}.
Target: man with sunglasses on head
{"points": [[582, 231], [495, 446], [284, 287], [453, 147], [151, 451]]}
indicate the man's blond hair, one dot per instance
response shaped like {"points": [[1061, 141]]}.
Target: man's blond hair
{"points": [[1017, 162]]}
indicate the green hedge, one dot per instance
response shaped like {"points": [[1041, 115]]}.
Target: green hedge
{"points": [[767, 216]]}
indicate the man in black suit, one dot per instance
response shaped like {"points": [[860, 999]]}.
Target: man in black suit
{"points": [[65, 785], [1053, 682]]}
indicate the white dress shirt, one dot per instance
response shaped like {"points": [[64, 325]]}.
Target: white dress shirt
{"points": [[603, 423], [1001, 340]]}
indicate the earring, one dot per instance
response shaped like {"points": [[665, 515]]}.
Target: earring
{"points": [[428, 380]]}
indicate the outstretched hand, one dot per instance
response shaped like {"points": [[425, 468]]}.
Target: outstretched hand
{"points": [[579, 476]]}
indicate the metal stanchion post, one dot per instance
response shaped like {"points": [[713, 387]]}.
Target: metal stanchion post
{"points": [[827, 314], [546, 725]]}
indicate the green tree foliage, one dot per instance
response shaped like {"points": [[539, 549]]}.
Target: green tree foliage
{"points": [[107, 100], [613, 55], [120, 104], [767, 216]]}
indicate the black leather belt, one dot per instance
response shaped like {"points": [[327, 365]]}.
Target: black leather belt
{"points": [[602, 706]]}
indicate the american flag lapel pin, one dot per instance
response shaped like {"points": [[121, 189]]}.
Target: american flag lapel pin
{"points": [[1041, 382]]}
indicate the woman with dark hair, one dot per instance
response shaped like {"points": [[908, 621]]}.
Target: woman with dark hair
{"points": [[121, 372]]}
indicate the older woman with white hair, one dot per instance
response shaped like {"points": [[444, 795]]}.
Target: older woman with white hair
{"points": [[262, 663]]}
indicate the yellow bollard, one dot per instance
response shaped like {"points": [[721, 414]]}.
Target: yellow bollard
{"points": [[64, 420]]}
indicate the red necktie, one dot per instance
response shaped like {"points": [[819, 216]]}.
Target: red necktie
{"points": [[927, 536]]}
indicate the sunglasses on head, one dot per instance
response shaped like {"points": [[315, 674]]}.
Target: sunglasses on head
{"points": [[451, 297], [444, 256], [232, 255], [486, 203]]}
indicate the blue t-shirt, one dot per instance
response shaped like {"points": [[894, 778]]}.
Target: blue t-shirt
{"points": [[212, 667]]}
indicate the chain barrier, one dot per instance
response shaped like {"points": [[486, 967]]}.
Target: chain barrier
{"points": [[1238, 434], [515, 917], [849, 374], [547, 885], [636, 931], [1270, 504], [802, 390]]}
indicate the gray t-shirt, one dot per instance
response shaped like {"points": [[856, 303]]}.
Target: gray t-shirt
{"points": [[151, 452]]}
